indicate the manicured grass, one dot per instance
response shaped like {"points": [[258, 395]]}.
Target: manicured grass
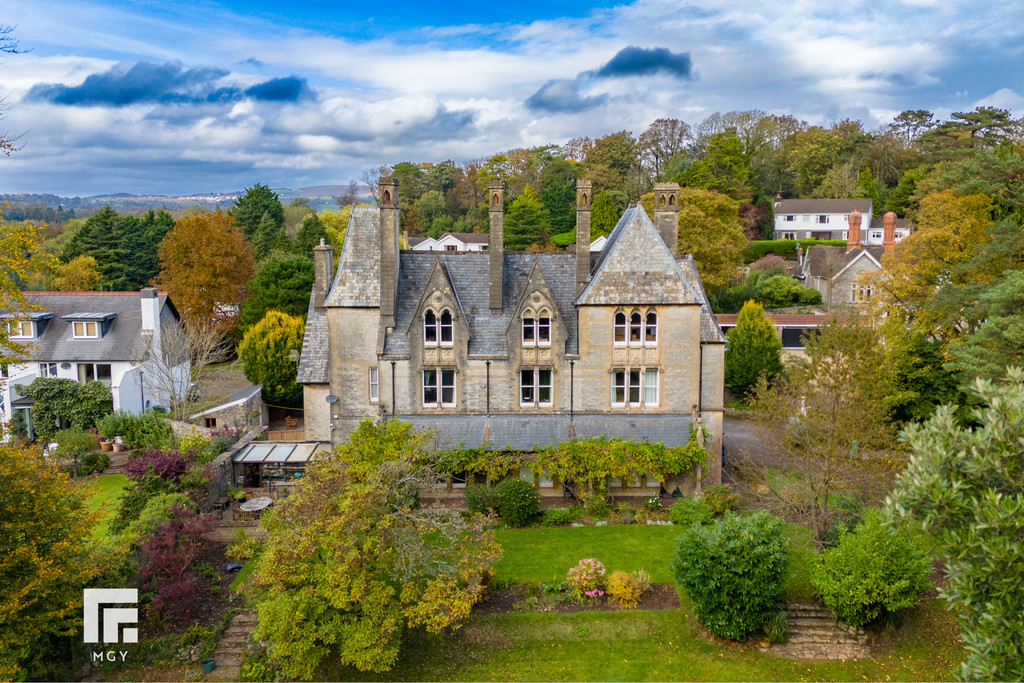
{"points": [[243, 575], [648, 646], [105, 493], [547, 553]]}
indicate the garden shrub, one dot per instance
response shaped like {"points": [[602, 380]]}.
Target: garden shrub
{"points": [[166, 465], [170, 558], [135, 498], [482, 498], [585, 577], [158, 510], [91, 463], [873, 571], [146, 431], [686, 511], [558, 516], [518, 502], [113, 424], [628, 589], [243, 548], [217, 445], [597, 508], [720, 498], [74, 441], [733, 571], [777, 628], [194, 479], [193, 442]]}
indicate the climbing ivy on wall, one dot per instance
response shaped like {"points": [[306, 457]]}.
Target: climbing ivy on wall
{"points": [[80, 405]]}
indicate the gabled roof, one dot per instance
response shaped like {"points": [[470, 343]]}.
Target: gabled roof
{"points": [[313, 363], [636, 267], [828, 262], [820, 206], [357, 282], [466, 237], [710, 332], [120, 341], [469, 274]]}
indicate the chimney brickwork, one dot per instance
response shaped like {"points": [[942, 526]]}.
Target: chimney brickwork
{"points": [[584, 198], [496, 243], [666, 214], [388, 251], [888, 230], [853, 235], [323, 269]]}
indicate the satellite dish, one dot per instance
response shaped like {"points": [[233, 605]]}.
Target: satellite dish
{"points": [[332, 399]]}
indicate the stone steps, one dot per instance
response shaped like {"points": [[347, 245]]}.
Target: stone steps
{"points": [[814, 633], [231, 646]]}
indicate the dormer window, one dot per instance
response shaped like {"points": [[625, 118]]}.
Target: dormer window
{"points": [[536, 330], [85, 330], [22, 329], [438, 329]]}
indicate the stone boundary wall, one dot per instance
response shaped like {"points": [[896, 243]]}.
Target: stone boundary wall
{"points": [[221, 467]]}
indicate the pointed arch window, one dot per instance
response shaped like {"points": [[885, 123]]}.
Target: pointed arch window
{"points": [[536, 328], [447, 331], [651, 328], [620, 328], [429, 328], [635, 329]]}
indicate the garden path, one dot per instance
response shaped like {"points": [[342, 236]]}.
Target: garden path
{"points": [[814, 633], [231, 646]]}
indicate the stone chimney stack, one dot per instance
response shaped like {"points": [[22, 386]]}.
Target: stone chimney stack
{"points": [[388, 250], [323, 270], [150, 309], [496, 242], [584, 197], [666, 214], [853, 236], [799, 255], [888, 230]]}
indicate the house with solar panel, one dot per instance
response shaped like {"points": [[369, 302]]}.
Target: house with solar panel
{"points": [[516, 350], [114, 338]]}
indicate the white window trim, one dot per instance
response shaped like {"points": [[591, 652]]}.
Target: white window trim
{"points": [[16, 329], [45, 367], [436, 325], [646, 342], [85, 327], [374, 385], [615, 326], [641, 403], [439, 387], [535, 327], [536, 387], [441, 326]]}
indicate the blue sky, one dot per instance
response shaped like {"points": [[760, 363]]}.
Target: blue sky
{"points": [[193, 97]]}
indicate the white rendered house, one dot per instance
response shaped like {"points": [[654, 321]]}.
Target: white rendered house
{"points": [[115, 338]]}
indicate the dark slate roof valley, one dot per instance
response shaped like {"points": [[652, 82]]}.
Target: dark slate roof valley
{"points": [[312, 367], [524, 432], [120, 342]]}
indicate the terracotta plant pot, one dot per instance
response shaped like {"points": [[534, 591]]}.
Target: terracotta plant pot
{"points": [[106, 445], [117, 447]]}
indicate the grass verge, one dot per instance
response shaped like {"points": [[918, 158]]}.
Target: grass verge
{"points": [[106, 490]]}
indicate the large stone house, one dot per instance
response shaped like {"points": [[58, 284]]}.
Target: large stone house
{"points": [[116, 338], [515, 350]]}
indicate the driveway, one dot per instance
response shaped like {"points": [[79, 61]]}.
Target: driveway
{"points": [[740, 442]]}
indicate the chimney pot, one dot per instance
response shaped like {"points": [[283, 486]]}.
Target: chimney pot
{"points": [[496, 241], [666, 215], [584, 197], [853, 235], [889, 230]]}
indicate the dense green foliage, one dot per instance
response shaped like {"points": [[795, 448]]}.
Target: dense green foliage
{"points": [[125, 247], [518, 502], [269, 355], [482, 498], [525, 224], [135, 499], [68, 401], [687, 511], [282, 284], [965, 487], [353, 560], [259, 202], [873, 571], [757, 249], [753, 351], [734, 572]]}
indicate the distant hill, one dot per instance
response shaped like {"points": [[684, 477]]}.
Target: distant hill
{"points": [[319, 198]]}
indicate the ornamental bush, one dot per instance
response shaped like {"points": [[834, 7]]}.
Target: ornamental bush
{"points": [[687, 511], [518, 502], [170, 465], [720, 498], [482, 498], [733, 571], [872, 571], [628, 589], [585, 577]]}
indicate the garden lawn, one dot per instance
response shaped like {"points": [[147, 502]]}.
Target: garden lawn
{"points": [[545, 554], [106, 490], [666, 645]]}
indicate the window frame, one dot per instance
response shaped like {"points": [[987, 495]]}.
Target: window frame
{"points": [[632, 385], [531, 386], [439, 387], [430, 326], [620, 329], [373, 387], [649, 338], [16, 329], [45, 367], [636, 324], [85, 334], [446, 328]]}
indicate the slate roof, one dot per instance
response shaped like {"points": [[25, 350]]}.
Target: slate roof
{"points": [[524, 432], [469, 274], [313, 360], [825, 261], [636, 267], [467, 237], [710, 332], [120, 341], [357, 282], [820, 206]]}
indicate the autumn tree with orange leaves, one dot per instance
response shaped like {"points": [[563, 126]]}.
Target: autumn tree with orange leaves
{"points": [[206, 265]]}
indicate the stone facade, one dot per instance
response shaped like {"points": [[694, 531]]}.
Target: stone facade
{"points": [[515, 350]]}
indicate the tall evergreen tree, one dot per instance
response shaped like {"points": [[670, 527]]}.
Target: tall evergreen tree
{"points": [[604, 214], [754, 349], [309, 235], [250, 209], [524, 223]]}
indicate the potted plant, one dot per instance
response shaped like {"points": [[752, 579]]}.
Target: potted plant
{"points": [[117, 444]]}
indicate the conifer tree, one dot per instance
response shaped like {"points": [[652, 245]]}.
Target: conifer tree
{"points": [[525, 224], [754, 349]]}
